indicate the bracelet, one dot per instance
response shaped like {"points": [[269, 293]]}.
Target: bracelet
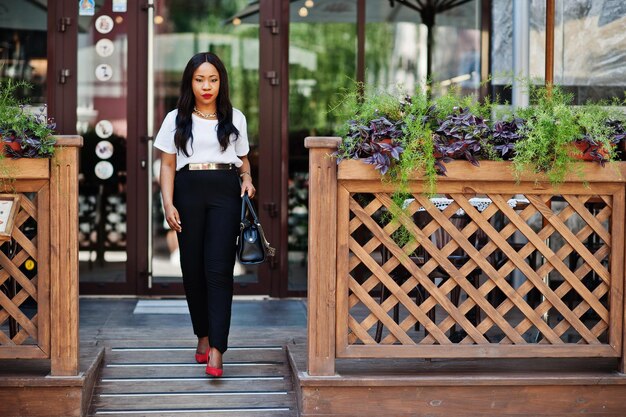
{"points": [[244, 173]]}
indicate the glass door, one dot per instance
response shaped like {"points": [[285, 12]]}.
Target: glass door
{"points": [[182, 29], [102, 120]]}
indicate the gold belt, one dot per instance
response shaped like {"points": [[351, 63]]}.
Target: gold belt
{"points": [[209, 166]]}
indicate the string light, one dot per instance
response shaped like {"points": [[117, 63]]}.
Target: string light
{"points": [[309, 3], [303, 12], [236, 21]]}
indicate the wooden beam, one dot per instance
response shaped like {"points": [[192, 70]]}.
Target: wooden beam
{"points": [[63, 214], [549, 44], [322, 269]]}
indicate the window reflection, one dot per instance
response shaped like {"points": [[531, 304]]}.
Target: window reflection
{"points": [[23, 46], [322, 62], [183, 29]]}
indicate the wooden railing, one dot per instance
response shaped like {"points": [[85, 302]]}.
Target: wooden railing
{"points": [[39, 264], [536, 272]]}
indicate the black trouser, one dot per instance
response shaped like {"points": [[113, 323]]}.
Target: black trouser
{"points": [[209, 205]]}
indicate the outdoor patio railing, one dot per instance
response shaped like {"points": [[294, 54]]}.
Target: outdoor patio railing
{"points": [[541, 278], [39, 264]]}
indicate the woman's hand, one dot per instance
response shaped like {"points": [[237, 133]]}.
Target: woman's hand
{"points": [[172, 218], [246, 185]]}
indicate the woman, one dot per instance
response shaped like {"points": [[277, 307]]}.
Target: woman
{"points": [[205, 146]]}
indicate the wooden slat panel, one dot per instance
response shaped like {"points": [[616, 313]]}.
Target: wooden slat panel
{"points": [[359, 334], [193, 402], [589, 218], [63, 215], [480, 351], [18, 275], [551, 257], [343, 256], [163, 355], [419, 274], [484, 289], [398, 294], [23, 335], [322, 266], [24, 352], [43, 267], [496, 184], [564, 251], [488, 171], [17, 314], [382, 315], [19, 298], [582, 250], [616, 321], [191, 385], [186, 370], [482, 187], [26, 168], [452, 271]]}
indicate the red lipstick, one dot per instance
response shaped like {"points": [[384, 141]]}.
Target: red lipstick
{"points": [[207, 96]]}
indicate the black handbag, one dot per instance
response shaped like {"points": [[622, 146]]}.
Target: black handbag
{"points": [[252, 247]]}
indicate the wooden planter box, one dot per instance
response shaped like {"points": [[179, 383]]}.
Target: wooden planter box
{"points": [[508, 299], [568, 303], [39, 356]]}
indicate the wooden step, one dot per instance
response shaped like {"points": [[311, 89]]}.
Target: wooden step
{"points": [[482, 387], [152, 379]]}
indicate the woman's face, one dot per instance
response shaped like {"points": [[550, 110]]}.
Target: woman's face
{"points": [[205, 84]]}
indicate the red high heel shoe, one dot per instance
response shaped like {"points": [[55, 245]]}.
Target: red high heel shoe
{"points": [[214, 372], [202, 357]]}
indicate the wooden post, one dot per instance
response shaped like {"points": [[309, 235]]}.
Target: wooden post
{"points": [[322, 269], [549, 45], [64, 257], [622, 359]]}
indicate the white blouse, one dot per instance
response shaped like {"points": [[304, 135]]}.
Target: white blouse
{"points": [[204, 147]]}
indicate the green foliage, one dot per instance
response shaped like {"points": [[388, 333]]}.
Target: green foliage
{"points": [[419, 153], [539, 139], [551, 128], [32, 132]]}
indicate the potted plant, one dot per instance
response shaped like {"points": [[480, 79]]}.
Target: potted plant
{"points": [[556, 136], [24, 134], [403, 135]]}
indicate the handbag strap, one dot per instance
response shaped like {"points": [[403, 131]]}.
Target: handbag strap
{"points": [[246, 203]]}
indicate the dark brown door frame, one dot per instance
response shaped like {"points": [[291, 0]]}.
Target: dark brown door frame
{"points": [[62, 103], [273, 133], [137, 149], [62, 43], [273, 39]]}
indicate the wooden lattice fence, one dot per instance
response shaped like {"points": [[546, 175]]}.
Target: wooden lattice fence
{"points": [[39, 264], [502, 269]]}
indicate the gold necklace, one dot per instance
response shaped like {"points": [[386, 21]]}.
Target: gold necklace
{"points": [[204, 115]]}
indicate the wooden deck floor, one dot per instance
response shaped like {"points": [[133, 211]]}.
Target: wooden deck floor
{"points": [[161, 379], [149, 367]]}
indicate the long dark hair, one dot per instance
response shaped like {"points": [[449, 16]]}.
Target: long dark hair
{"points": [[187, 101]]}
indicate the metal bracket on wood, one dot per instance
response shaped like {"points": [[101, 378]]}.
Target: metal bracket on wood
{"points": [[64, 22], [272, 24], [64, 74], [273, 77]]}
